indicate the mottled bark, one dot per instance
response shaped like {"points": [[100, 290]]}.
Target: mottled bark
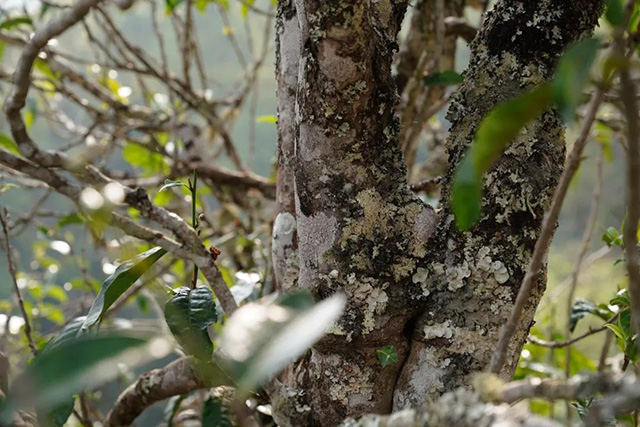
{"points": [[469, 281], [438, 296], [360, 229]]}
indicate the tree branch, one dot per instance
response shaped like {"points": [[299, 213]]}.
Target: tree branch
{"points": [[548, 227], [16, 288]]}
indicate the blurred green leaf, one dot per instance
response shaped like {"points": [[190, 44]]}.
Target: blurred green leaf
{"points": [[56, 416], [7, 187], [10, 23], [64, 369], [267, 119], [172, 4], [572, 75], [387, 355], [496, 132], [445, 78], [614, 12], [73, 218], [467, 195], [214, 413], [125, 275], [8, 144], [150, 162], [189, 313], [69, 333], [582, 307], [260, 339], [42, 66], [612, 237]]}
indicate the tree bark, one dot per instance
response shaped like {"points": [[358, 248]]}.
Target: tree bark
{"points": [[437, 295], [469, 281]]}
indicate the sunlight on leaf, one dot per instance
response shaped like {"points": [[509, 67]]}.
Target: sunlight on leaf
{"points": [[170, 184], [125, 275], [260, 339]]}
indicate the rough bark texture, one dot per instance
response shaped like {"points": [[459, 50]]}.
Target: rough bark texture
{"points": [[469, 281], [438, 296]]}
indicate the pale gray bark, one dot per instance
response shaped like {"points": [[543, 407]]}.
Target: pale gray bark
{"points": [[439, 296], [285, 238]]}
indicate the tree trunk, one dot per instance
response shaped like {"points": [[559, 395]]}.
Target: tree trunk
{"points": [[412, 280]]}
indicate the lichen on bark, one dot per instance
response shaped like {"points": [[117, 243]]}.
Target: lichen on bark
{"points": [[472, 278], [438, 295]]}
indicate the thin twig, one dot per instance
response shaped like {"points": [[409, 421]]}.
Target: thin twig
{"points": [[16, 288], [559, 344], [584, 245]]}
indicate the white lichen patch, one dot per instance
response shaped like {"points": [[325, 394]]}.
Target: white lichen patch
{"points": [[373, 301], [426, 378], [420, 278], [350, 383]]}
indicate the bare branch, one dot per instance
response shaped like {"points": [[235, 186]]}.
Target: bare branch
{"points": [[178, 377], [22, 75], [16, 288]]}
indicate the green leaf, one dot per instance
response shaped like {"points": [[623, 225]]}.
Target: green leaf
{"points": [[260, 339], [10, 23], [172, 4], [2, 47], [8, 143], [572, 75], [445, 78], [244, 8], [73, 218], [201, 5], [582, 307], [387, 355], [467, 195], [189, 313], [65, 369], [42, 66], [7, 187], [496, 132], [614, 12], [170, 184], [617, 331], [68, 334], [267, 119], [150, 162], [612, 237], [125, 275], [214, 413]]}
